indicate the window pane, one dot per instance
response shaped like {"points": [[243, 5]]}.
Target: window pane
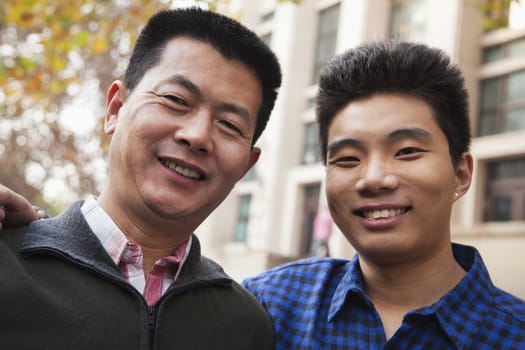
{"points": [[267, 39], [408, 19], [516, 86], [515, 120], [416, 19], [396, 19], [250, 175], [326, 38], [517, 48], [508, 169], [489, 94], [311, 103], [310, 206], [502, 208], [505, 190], [488, 120], [487, 124], [267, 17], [311, 144], [241, 230], [493, 53]]}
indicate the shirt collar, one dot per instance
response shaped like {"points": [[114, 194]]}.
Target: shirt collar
{"points": [[352, 282], [467, 303], [115, 242]]}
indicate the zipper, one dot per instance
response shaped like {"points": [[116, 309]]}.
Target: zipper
{"points": [[151, 325]]}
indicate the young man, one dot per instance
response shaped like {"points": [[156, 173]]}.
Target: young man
{"points": [[123, 271], [394, 133]]}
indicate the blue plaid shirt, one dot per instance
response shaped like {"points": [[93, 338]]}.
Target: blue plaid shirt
{"points": [[321, 304]]}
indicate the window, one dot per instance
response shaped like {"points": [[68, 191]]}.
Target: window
{"points": [[267, 38], [515, 48], [311, 144], [326, 38], [310, 207], [267, 17], [505, 194], [241, 230], [407, 19], [311, 104], [250, 175], [502, 104]]}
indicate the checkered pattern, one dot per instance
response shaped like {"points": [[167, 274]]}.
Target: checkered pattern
{"points": [[321, 304], [128, 256]]}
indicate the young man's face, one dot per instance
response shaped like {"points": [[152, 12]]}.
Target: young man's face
{"points": [[182, 138], [390, 181]]}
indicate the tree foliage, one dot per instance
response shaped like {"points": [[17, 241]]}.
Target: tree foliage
{"points": [[496, 13]]}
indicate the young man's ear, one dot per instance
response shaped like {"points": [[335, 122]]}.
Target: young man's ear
{"points": [[464, 170], [254, 156], [114, 100]]}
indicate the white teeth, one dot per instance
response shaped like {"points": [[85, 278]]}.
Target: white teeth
{"points": [[382, 213], [181, 170]]}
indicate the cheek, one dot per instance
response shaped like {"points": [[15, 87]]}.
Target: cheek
{"points": [[232, 161], [435, 180], [339, 189]]}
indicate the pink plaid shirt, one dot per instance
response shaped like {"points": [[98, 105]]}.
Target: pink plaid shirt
{"points": [[128, 256]]}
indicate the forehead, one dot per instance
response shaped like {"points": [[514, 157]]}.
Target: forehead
{"points": [[183, 53], [218, 78], [381, 114]]}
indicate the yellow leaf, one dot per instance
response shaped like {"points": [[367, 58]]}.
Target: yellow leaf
{"points": [[100, 45], [56, 87]]}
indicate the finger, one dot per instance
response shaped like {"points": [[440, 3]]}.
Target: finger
{"points": [[2, 216]]}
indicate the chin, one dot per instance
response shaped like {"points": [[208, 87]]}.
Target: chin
{"points": [[384, 253]]}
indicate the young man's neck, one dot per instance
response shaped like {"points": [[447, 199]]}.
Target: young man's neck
{"points": [[397, 289]]}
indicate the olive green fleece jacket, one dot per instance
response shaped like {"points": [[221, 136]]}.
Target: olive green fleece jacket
{"points": [[59, 289]]}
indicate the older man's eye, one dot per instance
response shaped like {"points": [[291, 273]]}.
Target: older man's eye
{"points": [[231, 126], [408, 151], [176, 99]]}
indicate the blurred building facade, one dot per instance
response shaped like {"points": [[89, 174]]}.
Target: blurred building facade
{"points": [[267, 220]]}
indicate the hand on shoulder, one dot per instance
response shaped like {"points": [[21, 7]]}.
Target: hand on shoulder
{"points": [[15, 210]]}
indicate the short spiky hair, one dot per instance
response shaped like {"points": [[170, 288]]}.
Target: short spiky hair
{"points": [[397, 67], [230, 38]]}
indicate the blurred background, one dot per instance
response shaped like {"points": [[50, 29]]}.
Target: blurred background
{"points": [[58, 57]]}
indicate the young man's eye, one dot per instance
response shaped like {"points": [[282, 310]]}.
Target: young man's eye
{"points": [[344, 161], [408, 151]]}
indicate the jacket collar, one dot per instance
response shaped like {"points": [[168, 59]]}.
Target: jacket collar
{"points": [[70, 237]]}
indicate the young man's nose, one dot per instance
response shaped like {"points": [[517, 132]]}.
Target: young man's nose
{"points": [[377, 176]]}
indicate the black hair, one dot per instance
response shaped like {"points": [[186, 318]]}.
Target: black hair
{"points": [[227, 36], [397, 67]]}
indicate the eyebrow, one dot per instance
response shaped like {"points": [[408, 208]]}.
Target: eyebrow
{"points": [[395, 135], [337, 145], [410, 133], [195, 90]]}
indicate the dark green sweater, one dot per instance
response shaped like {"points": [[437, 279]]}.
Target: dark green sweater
{"points": [[59, 289]]}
